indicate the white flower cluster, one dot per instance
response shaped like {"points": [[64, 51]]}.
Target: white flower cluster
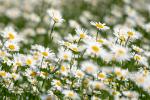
{"points": [[94, 61]]}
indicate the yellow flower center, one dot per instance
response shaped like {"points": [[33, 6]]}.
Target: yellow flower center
{"points": [[95, 48], [118, 73], [89, 69], [120, 52], [33, 74], [130, 34], [137, 57], [80, 74], [28, 61], [137, 49], [101, 75], [97, 86], [45, 53], [100, 40], [63, 68], [99, 26], [2, 53], [70, 94], [58, 83], [141, 80], [11, 47], [11, 36], [82, 35], [67, 44], [2, 73], [55, 19], [75, 49], [65, 56]]}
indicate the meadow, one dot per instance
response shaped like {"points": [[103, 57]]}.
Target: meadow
{"points": [[74, 49]]}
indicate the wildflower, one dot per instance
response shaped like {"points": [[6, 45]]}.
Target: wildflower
{"points": [[10, 34], [137, 49], [94, 48], [64, 69], [11, 46], [142, 60], [3, 74], [89, 67], [74, 47], [120, 72], [101, 75], [132, 34], [99, 25], [65, 54], [81, 33], [57, 84], [120, 53], [55, 15], [70, 94], [97, 85], [79, 74], [15, 76]]}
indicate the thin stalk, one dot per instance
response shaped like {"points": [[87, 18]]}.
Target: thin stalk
{"points": [[51, 32], [127, 41], [96, 35]]}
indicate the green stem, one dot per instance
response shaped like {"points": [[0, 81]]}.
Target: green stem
{"points": [[127, 41], [96, 35], [51, 32]]}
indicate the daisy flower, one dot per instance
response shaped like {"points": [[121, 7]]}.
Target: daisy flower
{"points": [[70, 94], [82, 33], [15, 76], [94, 48], [79, 74], [89, 67], [101, 75], [98, 85], [64, 69], [18, 60], [57, 84], [137, 49], [11, 46], [29, 61], [120, 53], [64, 54], [120, 72], [99, 25], [55, 15], [9, 33], [74, 47], [142, 60], [3, 74], [132, 34]]}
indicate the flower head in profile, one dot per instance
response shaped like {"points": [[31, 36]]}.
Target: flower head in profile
{"points": [[55, 15], [132, 34], [82, 33], [99, 25], [137, 49]]}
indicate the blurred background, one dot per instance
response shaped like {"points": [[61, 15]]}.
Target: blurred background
{"points": [[30, 18]]}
